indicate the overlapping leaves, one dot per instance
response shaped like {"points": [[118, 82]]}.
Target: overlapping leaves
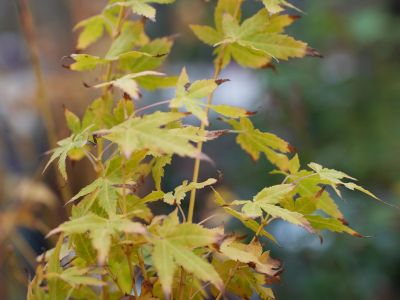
{"points": [[149, 132], [255, 41], [189, 95], [100, 230]]}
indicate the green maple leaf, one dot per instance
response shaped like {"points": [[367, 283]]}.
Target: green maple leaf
{"points": [[173, 246], [149, 132], [93, 29], [100, 230], [266, 202], [254, 142], [86, 62], [180, 192], [158, 169], [246, 221], [158, 50], [65, 146], [251, 254], [254, 42], [190, 95], [75, 277], [331, 224], [335, 178]]}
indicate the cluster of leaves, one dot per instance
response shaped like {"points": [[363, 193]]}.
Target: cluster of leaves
{"points": [[113, 247]]}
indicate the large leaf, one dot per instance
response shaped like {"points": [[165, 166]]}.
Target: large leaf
{"points": [[173, 245], [255, 41], [100, 230], [149, 133]]}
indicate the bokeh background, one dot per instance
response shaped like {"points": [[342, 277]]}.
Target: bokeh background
{"points": [[342, 111]]}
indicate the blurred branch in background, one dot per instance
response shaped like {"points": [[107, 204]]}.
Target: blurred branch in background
{"points": [[43, 104]]}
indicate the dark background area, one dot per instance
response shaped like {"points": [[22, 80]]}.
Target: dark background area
{"points": [[342, 111]]}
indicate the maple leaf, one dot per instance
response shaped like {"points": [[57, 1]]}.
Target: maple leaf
{"points": [[321, 223], [246, 221], [158, 169], [335, 178], [266, 201], [149, 133], [93, 29], [173, 245], [180, 192], [189, 95], [100, 230], [73, 142], [254, 142], [255, 41], [75, 277], [251, 254], [158, 50], [128, 84], [86, 62]]}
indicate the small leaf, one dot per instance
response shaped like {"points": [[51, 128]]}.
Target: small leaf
{"points": [[180, 192], [158, 169], [75, 141], [231, 111], [190, 97], [93, 29], [251, 253], [254, 142], [73, 122]]}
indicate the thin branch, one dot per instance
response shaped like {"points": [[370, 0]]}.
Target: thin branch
{"points": [[150, 106], [182, 212]]}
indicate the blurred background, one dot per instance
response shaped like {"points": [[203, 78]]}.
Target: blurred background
{"points": [[342, 111]]}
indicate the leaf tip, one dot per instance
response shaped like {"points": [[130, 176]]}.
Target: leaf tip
{"points": [[221, 81], [313, 53]]}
